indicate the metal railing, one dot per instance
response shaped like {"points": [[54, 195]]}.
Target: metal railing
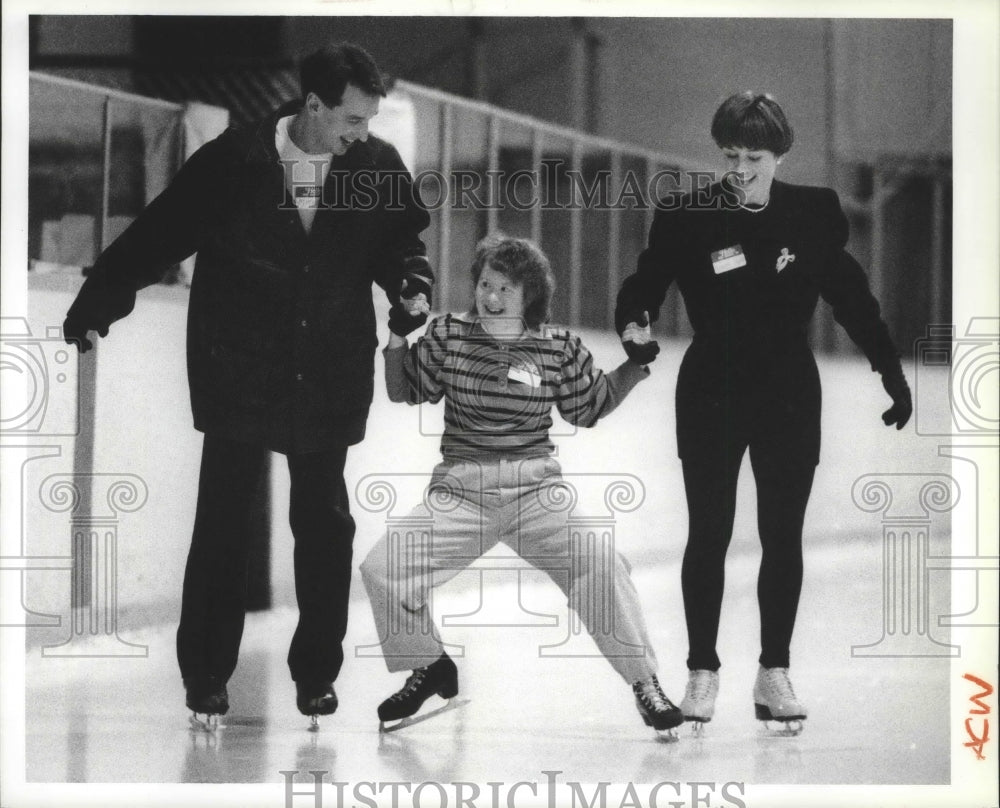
{"points": [[900, 209], [592, 246], [592, 267], [97, 156], [578, 161], [78, 121]]}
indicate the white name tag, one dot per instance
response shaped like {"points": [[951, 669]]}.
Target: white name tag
{"points": [[728, 259], [525, 375], [307, 196]]}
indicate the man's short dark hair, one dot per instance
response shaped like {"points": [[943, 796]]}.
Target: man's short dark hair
{"points": [[752, 121], [328, 71]]}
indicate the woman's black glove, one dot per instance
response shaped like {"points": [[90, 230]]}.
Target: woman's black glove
{"points": [[902, 403], [638, 342]]}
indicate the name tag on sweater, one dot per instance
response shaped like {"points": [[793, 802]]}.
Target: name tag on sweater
{"points": [[525, 375], [728, 259]]}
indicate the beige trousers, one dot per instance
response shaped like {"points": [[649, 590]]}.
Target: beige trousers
{"points": [[468, 508]]}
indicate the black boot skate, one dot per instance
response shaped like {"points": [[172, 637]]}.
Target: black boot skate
{"points": [[315, 699], [207, 699], [439, 678], [656, 709]]}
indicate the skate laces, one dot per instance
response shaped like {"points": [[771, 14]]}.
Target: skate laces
{"points": [[780, 684], [651, 694], [699, 685], [411, 686]]}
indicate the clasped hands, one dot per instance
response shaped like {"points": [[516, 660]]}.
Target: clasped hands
{"points": [[637, 339], [410, 311]]}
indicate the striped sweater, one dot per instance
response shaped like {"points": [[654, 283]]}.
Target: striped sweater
{"points": [[499, 392]]}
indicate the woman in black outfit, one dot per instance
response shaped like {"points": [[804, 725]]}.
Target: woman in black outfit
{"points": [[751, 256]]}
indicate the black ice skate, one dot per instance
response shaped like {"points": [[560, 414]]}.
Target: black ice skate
{"points": [[315, 699], [439, 678], [207, 699], [656, 709]]}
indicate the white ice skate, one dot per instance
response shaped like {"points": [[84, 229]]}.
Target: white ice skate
{"points": [[205, 722], [775, 700], [698, 704]]}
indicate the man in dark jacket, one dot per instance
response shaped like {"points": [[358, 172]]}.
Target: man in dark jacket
{"points": [[292, 219]]}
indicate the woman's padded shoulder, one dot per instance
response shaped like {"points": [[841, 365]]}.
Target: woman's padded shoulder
{"points": [[678, 215], [673, 209], [813, 199], [818, 211]]}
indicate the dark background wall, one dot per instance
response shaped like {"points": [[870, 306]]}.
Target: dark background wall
{"points": [[865, 97], [858, 87]]}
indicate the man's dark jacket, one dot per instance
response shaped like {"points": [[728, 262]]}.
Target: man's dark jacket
{"points": [[281, 324]]}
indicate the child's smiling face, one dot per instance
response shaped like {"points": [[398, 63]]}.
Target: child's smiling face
{"points": [[498, 297]]}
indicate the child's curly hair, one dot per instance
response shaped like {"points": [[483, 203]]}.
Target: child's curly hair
{"points": [[525, 264]]}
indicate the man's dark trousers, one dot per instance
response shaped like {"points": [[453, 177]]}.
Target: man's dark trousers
{"points": [[215, 580]]}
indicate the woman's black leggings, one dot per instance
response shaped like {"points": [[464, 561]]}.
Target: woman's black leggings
{"points": [[784, 481]]}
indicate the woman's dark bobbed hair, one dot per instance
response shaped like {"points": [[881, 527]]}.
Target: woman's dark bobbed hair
{"points": [[752, 121]]}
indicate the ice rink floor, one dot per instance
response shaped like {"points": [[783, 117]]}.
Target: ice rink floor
{"points": [[873, 720]]}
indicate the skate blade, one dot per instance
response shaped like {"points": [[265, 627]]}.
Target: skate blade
{"points": [[205, 722], [790, 728], [314, 723], [667, 735], [697, 726], [403, 723]]}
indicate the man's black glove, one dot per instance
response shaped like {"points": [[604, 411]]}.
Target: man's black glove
{"points": [[641, 353], [417, 279], [401, 322], [75, 333], [99, 303], [902, 404]]}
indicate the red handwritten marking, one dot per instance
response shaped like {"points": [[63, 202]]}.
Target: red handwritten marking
{"points": [[978, 742]]}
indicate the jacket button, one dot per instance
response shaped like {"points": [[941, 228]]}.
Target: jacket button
{"points": [[304, 323], [306, 268], [298, 377]]}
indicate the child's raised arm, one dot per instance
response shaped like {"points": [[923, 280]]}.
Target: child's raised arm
{"points": [[586, 393], [413, 374]]}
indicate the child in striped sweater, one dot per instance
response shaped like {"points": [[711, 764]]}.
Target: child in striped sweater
{"points": [[500, 371]]}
